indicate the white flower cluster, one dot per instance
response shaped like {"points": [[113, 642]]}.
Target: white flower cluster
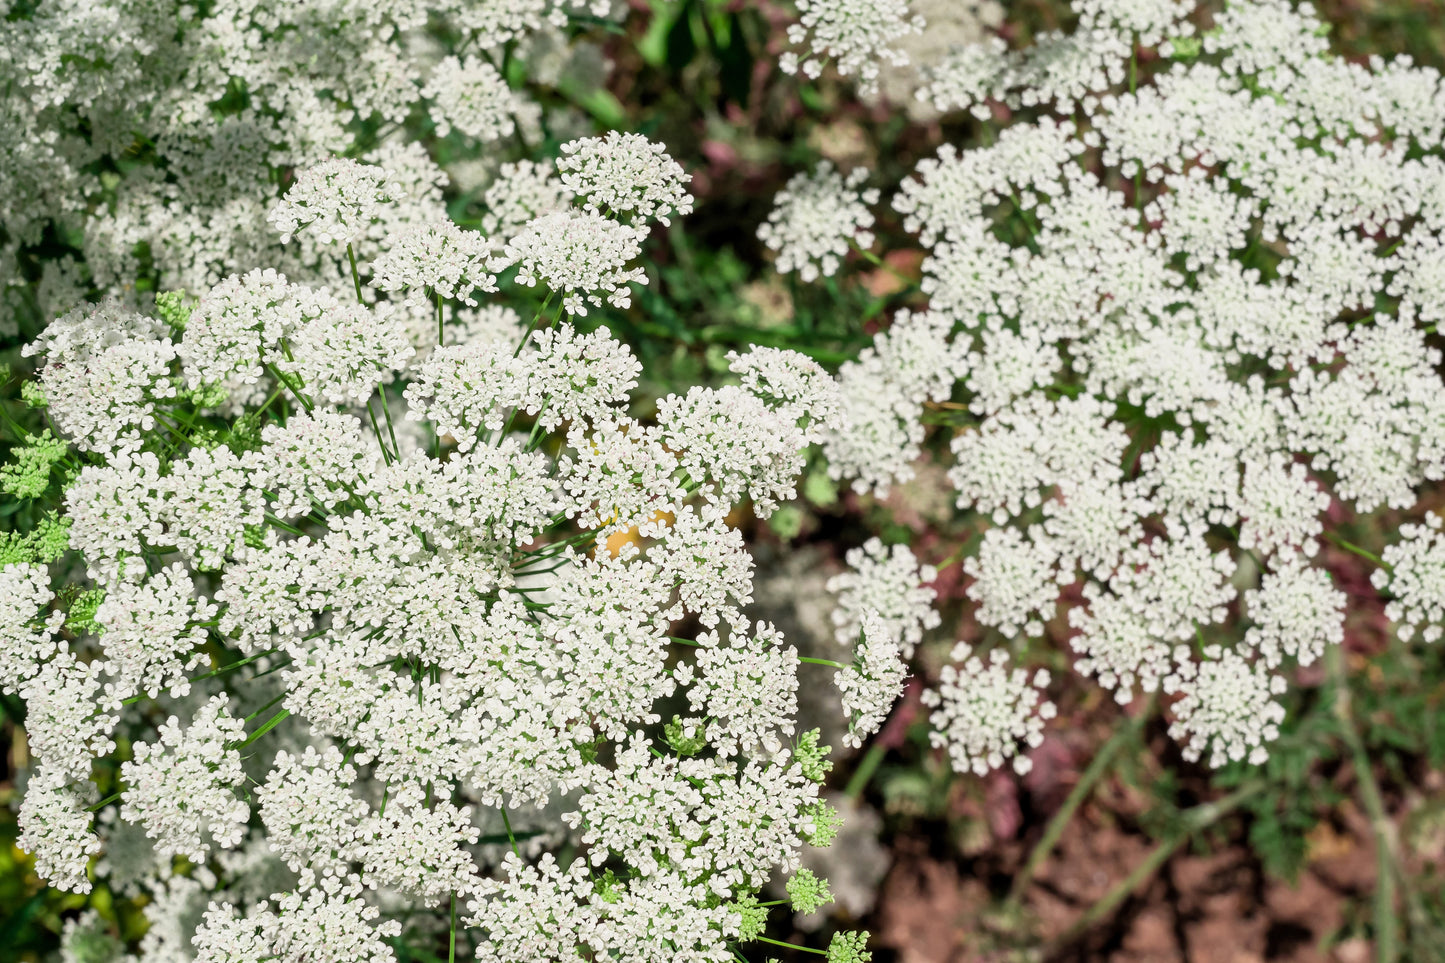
{"points": [[1296, 612], [981, 712], [1228, 706], [335, 201], [472, 97], [417, 657], [1182, 323], [884, 391], [584, 256], [852, 35], [109, 370], [1414, 575], [200, 115], [1059, 67], [792, 383], [884, 607], [182, 787], [441, 257], [816, 217], [873, 682], [625, 175], [312, 340], [893, 586], [737, 442]]}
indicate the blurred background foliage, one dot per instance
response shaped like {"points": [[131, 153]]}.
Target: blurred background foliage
{"points": [[1113, 847]]}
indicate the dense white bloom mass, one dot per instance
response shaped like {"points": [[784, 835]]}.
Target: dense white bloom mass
{"points": [[364, 605], [248, 324], [181, 788], [736, 441], [382, 665], [441, 257], [26, 639], [797, 385], [54, 821], [1015, 580], [1228, 706], [201, 115], [1178, 316], [106, 371], [151, 633], [1296, 612]]}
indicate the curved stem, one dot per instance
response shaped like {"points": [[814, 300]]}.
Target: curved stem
{"points": [[1196, 819], [276, 373], [386, 456], [511, 838], [1386, 843], [871, 761], [1054, 831]]}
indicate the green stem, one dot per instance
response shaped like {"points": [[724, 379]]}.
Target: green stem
{"points": [[386, 410], [1387, 866], [265, 707], [105, 802], [376, 430], [533, 326], [270, 723], [872, 759], [302, 399], [355, 277], [1351, 547], [452, 947], [1196, 819], [441, 322], [791, 946], [1084, 788], [274, 395], [538, 435], [511, 838], [275, 522], [828, 662]]}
